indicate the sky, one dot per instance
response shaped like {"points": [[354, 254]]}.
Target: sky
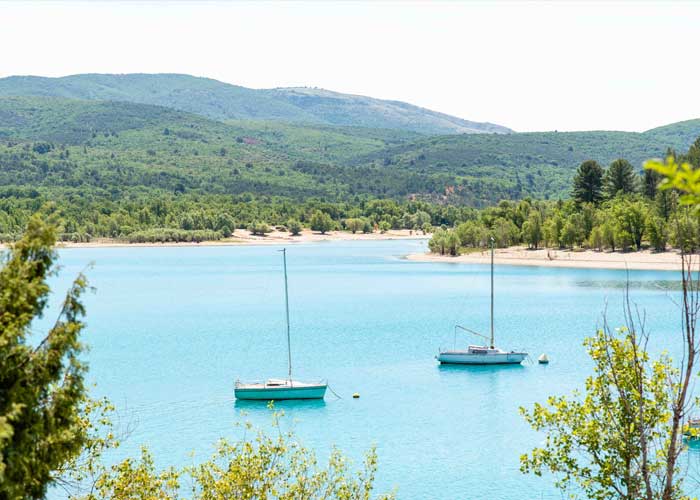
{"points": [[527, 65]]}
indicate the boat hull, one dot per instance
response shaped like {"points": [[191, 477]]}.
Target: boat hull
{"points": [[280, 393], [468, 358]]}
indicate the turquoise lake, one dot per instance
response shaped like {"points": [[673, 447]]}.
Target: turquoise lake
{"points": [[171, 328]]}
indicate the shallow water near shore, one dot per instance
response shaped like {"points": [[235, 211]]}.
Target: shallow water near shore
{"points": [[171, 328]]}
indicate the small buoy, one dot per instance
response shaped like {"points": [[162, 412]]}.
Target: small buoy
{"points": [[356, 395], [543, 359]]}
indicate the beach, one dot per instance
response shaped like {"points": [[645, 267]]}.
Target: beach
{"points": [[244, 237], [514, 256], [522, 256]]}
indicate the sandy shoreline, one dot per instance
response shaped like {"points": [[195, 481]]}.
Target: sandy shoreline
{"points": [[588, 259], [243, 237], [514, 256]]}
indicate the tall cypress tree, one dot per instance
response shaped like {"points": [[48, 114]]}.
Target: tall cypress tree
{"points": [[588, 182]]}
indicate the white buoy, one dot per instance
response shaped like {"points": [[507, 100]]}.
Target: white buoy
{"points": [[543, 359]]}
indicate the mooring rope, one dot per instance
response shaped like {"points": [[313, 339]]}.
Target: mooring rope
{"points": [[334, 393]]}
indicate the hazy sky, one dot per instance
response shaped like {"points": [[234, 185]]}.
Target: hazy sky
{"points": [[529, 66]]}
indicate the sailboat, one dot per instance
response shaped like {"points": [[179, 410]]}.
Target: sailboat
{"points": [[481, 354], [278, 389]]}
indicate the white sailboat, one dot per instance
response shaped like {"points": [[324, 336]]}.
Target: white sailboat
{"points": [[481, 354], [278, 389]]}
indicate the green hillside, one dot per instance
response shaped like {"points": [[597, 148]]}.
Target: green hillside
{"points": [[222, 101], [539, 164], [130, 145], [114, 168], [119, 147]]}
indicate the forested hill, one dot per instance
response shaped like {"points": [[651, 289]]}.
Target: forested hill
{"points": [[120, 146], [539, 163], [222, 101]]}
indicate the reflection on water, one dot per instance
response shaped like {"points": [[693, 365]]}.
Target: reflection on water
{"points": [[477, 370], [285, 404], [664, 285]]}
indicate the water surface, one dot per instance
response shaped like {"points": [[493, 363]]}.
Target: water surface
{"points": [[171, 328]]}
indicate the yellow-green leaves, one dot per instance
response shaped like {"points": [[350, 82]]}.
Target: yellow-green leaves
{"points": [[272, 466], [607, 442], [682, 177]]}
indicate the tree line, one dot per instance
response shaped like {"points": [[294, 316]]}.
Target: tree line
{"points": [[613, 208], [189, 217]]}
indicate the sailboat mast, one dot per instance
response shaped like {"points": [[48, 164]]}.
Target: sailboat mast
{"points": [[492, 241], [286, 304]]}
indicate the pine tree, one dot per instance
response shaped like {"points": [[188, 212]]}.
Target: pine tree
{"points": [[588, 182], [620, 178]]}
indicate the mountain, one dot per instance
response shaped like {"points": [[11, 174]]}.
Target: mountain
{"points": [[221, 101], [122, 148]]}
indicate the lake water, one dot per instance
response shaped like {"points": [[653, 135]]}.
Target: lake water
{"points": [[171, 328]]}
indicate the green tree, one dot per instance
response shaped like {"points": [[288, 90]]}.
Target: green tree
{"points": [[41, 384], [532, 229], [321, 222], [420, 218], [354, 225], [632, 218], [260, 468], [666, 203], [258, 228], [295, 227], [609, 235], [570, 234], [605, 440], [505, 232], [224, 223], [588, 182], [685, 232], [621, 437], [472, 234], [693, 154], [589, 218], [442, 242], [678, 176], [552, 230], [658, 236], [651, 182], [620, 178], [595, 239]]}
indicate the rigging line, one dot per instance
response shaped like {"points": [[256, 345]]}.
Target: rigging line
{"points": [[334, 393]]}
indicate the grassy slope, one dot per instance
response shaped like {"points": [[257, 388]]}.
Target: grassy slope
{"points": [[221, 101]]}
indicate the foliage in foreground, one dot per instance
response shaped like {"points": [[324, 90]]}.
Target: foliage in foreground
{"points": [[622, 437], [612, 441], [41, 379], [265, 467]]}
